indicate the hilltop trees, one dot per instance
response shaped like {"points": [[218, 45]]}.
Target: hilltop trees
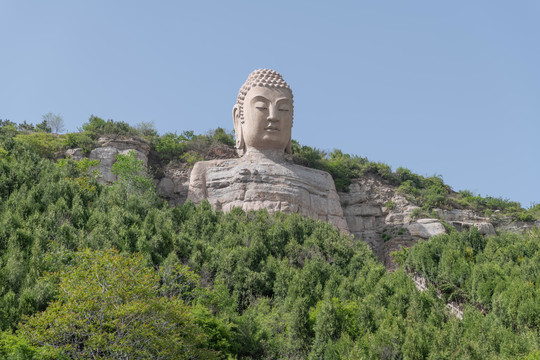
{"points": [[54, 121]]}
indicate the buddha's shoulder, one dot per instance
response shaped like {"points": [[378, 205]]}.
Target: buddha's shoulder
{"points": [[309, 171], [205, 165], [202, 167], [221, 164]]}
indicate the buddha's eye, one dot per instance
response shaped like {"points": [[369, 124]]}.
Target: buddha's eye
{"points": [[283, 108], [261, 106]]}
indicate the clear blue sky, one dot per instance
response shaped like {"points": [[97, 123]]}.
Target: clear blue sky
{"points": [[450, 88]]}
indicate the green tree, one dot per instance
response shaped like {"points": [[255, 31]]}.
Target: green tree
{"points": [[132, 174], [43, 127], [54, 121], [44, 144], [109, 307], [146, 128], [24, 126]]}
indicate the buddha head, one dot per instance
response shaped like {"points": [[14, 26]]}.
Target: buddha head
{"points": [[263, 114]]}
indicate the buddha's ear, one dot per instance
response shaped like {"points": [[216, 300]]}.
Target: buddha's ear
{"points": [[288, 149], [240, 145]]}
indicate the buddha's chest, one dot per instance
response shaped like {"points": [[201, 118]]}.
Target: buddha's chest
{"points": [[275, 187]]}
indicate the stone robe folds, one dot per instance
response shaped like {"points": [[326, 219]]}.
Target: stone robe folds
{"points": [[267, 184]]}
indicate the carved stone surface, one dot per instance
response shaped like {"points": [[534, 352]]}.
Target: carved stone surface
{"points": [[262, 183], [263, 178]]}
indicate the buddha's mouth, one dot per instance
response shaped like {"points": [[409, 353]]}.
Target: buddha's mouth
{"points": [[271, 128]]}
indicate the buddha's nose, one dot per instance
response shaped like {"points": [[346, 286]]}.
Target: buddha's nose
{"points": [[273, 113]]}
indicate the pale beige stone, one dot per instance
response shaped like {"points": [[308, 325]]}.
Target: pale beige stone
{"points": [[275, 186], [107, 157], [138, 155], [485, 228], [264, 178], [426, 228], [75, 154]]}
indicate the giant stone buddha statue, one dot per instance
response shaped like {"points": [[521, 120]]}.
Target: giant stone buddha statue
{"points": [[263, 177]]}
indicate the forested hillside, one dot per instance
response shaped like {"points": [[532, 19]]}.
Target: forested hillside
{"points": [[111, 271]]}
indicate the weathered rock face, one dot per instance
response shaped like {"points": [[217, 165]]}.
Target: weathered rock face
{"points": [[174, 184], [466, 219], [506, 224], [380, 216], [173, 181], [426, 228], [263, 183], [109, 148]]}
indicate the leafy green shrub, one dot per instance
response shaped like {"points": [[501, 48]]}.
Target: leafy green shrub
{"points": [[380, 169], [307, 156], [46, 145], [15, 347], [147, 129], [43, 127], [97, 126], [342, 167], [417, 213], [434, 193], [221, 136], [79, 140], [26, 127], [171, 145], [525, 216], [487, 205], [390, 205], [6, 122], [8, 129], [190, 148], [534, 211], [133, 175], [499, 272], [191, 157]]}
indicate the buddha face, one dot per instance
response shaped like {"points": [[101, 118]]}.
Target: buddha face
{"points": [[267, 118]]}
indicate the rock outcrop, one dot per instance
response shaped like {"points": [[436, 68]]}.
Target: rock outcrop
{"points": [[174, 184], [379, 215], [108, 148]]}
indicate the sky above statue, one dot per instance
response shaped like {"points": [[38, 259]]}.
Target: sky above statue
{"points": [[449, 88]]}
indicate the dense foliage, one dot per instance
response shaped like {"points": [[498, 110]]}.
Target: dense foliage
{"points": [[110, 306], [200, 284], [500, 274]]}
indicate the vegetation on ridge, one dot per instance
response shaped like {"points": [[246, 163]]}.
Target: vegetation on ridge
{"points": [[427, 192]]}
